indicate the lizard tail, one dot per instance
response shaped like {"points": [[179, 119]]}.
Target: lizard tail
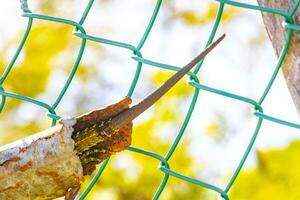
{"points": [[131, 113]]}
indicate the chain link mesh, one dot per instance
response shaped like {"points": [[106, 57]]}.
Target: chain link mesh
{"points": [[164, 167]]}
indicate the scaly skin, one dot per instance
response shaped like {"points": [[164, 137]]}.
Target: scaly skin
{"points": [[99, 134], [98, 141]]}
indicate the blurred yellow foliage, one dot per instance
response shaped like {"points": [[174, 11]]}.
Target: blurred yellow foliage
{"points": [[30, 74], [212, 128], [165, 108], [276, 177], [181, 89], [217, 128], [13, 132], [148, 135], [130, 175], [140, 177], [193, 18]]}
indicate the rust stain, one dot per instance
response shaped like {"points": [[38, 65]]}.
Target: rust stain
{"points": [[22, 150], [13, 159], [52, 174], [25, 167], [17, 185]]}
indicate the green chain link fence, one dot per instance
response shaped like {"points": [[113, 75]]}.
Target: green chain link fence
{"points": [[80, 32]]}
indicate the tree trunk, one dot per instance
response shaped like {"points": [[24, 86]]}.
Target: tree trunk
{"points": [[277, 34]]}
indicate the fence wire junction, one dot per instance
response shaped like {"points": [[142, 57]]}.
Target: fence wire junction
{"points": [[288, 24]]}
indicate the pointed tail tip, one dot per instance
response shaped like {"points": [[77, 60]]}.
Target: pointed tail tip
{"points": [[209, 48], [217, 41], [221, 37]]}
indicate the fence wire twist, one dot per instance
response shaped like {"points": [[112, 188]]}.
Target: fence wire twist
{"points": [[80, 32]]}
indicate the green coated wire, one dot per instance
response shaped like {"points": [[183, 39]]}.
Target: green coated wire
{"points": [[164, 163], [193, 102], [136, 51], [94, 180], [279, 63], [187, 118], [109, 42], [16, 54], [254, 7], [163, 66], [164, 167], [252, 140], [140, 45], [79, 56], [290, 26], [150, 25], [86, 12], [13, 60], [294, 8], [246, 153], [212, 33], [276, 120], [30, 100], [194, 181], [3, 100], [227, 94]]}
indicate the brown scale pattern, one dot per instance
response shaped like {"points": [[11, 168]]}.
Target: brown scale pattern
{"points": [[95, 140]]}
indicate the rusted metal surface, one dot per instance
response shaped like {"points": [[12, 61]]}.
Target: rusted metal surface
{"points": [[43, 166], [52, 163]]}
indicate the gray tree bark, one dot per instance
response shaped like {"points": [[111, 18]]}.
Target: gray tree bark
{"points": [[277, 34]]}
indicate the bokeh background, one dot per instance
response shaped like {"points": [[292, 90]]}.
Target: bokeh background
{"points": [[220, 128]]}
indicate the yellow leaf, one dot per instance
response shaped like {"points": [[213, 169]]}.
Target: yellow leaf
{"points": [[192, 17]]}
